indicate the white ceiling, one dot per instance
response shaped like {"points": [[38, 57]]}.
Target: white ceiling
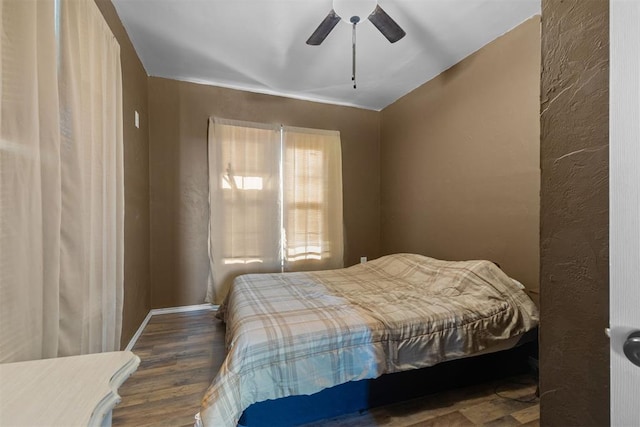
{"points": [[259, 45]]}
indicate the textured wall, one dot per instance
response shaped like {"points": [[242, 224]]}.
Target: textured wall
{"points": [[574, 275], [178, 176], [460, 160], [137, 285]]}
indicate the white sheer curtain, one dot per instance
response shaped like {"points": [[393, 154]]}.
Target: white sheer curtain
{"points": [[244, 186], [61, 182], [275, 197], [313, 199], [29, 182], [92, 197]]}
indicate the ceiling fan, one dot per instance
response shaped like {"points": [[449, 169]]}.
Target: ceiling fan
{"points": [[353, 10]]}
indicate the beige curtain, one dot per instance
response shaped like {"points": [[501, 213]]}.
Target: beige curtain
{"points": [[275, 197], [61, 181], [92, 198], [29, 182], [312, 199], [244, 186]]}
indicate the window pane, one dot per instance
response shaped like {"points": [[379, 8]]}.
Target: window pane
{"points": [[313, 199]]}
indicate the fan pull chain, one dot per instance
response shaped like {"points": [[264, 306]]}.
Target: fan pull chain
{"points": [[354, 21]]}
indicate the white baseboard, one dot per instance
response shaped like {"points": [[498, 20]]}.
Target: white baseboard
{"points": [[184, 309], [167, 310], [135, 336]]}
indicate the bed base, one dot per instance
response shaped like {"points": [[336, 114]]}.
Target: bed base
{"points": [[358, 396]]}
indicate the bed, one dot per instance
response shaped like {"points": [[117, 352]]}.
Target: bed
{"points": [[290, 334]]}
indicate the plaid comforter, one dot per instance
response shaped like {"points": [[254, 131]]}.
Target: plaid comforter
{"points": [[298, 333]]}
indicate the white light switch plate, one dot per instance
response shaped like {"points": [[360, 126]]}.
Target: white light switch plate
{"points": [[137, 120]]}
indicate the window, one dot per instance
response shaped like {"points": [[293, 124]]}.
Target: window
{"points": [[305, 214], [275, 200]]}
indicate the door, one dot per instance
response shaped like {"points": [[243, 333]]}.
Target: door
{"points": [[624, 162]]}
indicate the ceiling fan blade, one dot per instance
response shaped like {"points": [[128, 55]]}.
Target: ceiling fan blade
{"points": [[387, 26], [324, 29]]}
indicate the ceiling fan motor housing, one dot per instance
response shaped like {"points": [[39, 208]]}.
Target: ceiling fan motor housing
{"points": [[349, 9]]}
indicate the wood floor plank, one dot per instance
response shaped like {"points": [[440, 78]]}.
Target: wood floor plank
{"points": [[181, 352], [417, 410], [491, 410], [366, 419], [453, 419], [505, 421], [526, 415], [190, 393]]}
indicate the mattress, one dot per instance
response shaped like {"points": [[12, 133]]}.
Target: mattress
{"points": [[299, 333]]}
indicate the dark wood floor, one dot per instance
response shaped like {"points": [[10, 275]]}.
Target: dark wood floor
{"points": [[180, 354]]}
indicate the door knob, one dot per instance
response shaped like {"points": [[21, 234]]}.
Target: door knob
{"points": [[631, 348]]}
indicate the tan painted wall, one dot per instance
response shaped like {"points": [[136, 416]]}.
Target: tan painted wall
{"points": [[460, 160], [574, 227], [178, 175], [453, 184], [137, 285]]}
